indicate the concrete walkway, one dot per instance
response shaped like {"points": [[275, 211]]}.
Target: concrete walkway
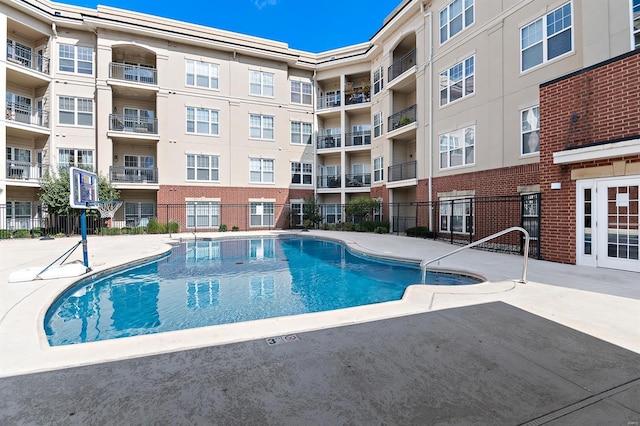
{"points": [[474, 354]]}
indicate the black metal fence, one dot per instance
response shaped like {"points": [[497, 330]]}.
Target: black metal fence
{"points": [[458, 221]]}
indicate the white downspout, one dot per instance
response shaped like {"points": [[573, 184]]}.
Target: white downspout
{"points": [[430, 135]]}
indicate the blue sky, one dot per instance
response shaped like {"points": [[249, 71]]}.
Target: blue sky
{"points": [[310, 25]]}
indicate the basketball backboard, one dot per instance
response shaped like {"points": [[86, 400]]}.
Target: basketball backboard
{"points": [[84, 188]]}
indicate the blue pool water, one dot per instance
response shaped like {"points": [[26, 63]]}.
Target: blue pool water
{"points": [[219, 282]]}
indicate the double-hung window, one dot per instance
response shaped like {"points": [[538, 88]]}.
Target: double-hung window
{"points": [[530, 130], [261, 83], [455, 215], [546, 38], [300, 92], [75, 59], [378, 80], [333, 213], [457, 16], [203, 214], [202, 74], [458, 148], [204, 168], [261, 170], [378, 169], [377, 125], [635, 24], [261, 214], [203, 121], [300, 133], [301, 173], [75, 111], [261, 126], [458, 81], [19, 215], [82, 158]]}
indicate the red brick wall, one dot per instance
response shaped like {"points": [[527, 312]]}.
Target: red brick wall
{"points": [[494, 182], [600, 104]]}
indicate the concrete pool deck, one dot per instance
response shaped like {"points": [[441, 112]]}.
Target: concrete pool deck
{"points": [[603, 305]]}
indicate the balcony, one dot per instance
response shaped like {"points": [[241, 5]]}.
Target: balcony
{"points": [[357, 96], [334, 181], [23, 113], [358, 138], [330, 141], [402, 171], [25, 171], [133, 124], [402, 118], [124, 174], [401, 65], [24, 57], [133, 73], [358, 180], [329, 101]]}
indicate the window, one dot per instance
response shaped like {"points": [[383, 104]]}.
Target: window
{"points": [[68, 157], [635, 25], [300, 133], [546, 38], [76, 59], [261, 83], [333, 213], [530, 130], [203, 121], [377, 125], [261, 214], [202, 74], [378, 80], [139, 168], [300, 93], [261, 126], [139, 72], [531, 214], [378, 169], [454, 18], [139, 214], [261, 170], [203, 167], [301, 173], [457, 148], [455, 216], [296, 210], [139, 120], [458, 81], [19, 215], [18, 52], [203, 214], [75, 111]]}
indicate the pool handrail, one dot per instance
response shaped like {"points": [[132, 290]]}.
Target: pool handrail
{"points": [[523, 280]]}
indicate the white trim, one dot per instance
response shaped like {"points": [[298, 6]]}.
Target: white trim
{"points": [[599, 152]]}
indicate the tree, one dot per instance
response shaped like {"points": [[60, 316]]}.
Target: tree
{"points": [[55, 190], [361, 207], [311, 211]]}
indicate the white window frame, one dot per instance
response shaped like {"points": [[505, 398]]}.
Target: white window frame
{"points": [[261, 214], [461, 209], [76, 158], [196, 120], [301, 92], [202, 214], [197, 71], [378, 80], [378, 169], [139, 213], [536, 33], [304, 172], [262, 127], [635, 24], [196, 167], [530, 131], [75, 58], [261, 83], [333, 213], [460, 76], [457, 144], [464, 10], [301, 133], [77, 103], [261, 170], [378, 125], [17, 216]]}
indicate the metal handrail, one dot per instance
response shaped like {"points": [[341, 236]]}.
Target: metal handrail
{"points": [[423, 264]]}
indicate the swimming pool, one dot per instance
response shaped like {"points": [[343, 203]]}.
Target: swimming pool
{"points": [[217, 282]]}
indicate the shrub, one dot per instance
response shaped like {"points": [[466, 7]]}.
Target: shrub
{"points": [[381, 230], [155, 227], [138, 230], [327, 227], [5, 234], [345, 226], [222, 228], [419, 231], [174, 226], [21, 233], [36, 233], [126, 230], [114, 231], [235, 228]]}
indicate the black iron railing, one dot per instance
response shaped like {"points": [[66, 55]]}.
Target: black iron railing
{"points": [[407, 61], [402, 171], [403, 118]]}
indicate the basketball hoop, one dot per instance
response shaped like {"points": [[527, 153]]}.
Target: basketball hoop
{"points": [[107, 208]]}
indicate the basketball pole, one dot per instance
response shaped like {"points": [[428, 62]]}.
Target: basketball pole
{"points": [[83, 232]]}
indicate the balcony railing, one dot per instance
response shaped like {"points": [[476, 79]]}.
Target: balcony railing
{"points": [[330, 141], [133, 73], [358, 138], [402, 118], [23, 170], [329, 101], [133, 174], [132, 123], [333, 181], [358, 96], [402, 171], [26, 58], [403, 64], [358, 180], [23, 113]]}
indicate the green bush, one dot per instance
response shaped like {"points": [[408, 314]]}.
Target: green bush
{"points": [[114, 231], [381, 230], [235, 228], [21, 233], [419, 231], [222, 228], [5, 234], [126, 230], [174, 226], [36, 233], [326, 227], [345, 226], [155, 227], [138, 230]]}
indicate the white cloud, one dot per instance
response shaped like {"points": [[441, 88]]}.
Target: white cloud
{"points": [[262, 3]]}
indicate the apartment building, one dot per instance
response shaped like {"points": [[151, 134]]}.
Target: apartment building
{"points": [[442, 103]]}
